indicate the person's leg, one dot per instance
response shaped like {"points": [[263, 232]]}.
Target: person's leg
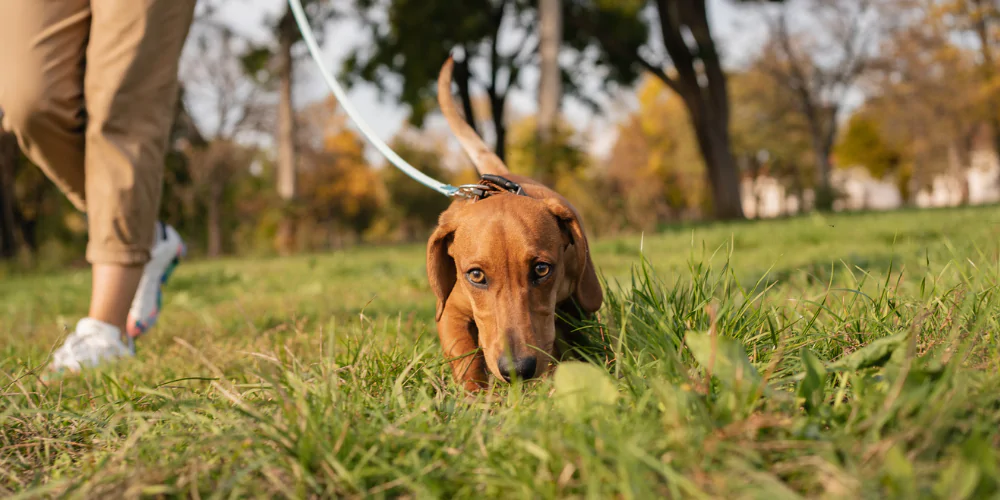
{"points": [[42, 54], [112, 290], [115, 157], [42, 48], [131, 87], [131, 90]]}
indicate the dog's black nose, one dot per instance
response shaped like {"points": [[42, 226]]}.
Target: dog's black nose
{"points": [[524, 367]]}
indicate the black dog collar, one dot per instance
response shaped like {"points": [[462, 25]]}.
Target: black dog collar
{"points": [[490, 185]]}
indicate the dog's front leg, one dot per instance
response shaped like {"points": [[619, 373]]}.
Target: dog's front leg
{"points": [[458, 339]]}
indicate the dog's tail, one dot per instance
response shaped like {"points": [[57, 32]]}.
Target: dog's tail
{"points": [[485, 160]]}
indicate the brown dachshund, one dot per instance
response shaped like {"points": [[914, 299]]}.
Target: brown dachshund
{"points": [[502, 265]]}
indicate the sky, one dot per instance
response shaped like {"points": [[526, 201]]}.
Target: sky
{"points": [[736, 29]]}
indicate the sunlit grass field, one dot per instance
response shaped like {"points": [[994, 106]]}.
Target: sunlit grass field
{"points": [[847, 356]]}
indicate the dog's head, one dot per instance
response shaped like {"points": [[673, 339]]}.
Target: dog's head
{"points": [[511, 259], [514, 259]]}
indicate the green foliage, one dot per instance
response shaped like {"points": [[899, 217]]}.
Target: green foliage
{"points": [[875, 354], [412, 39], [581, 388], [724, 360], [410, 207], [655, 173], [765, 120], [418, 36], [256, 62], [864, 144], [610, 33], [341, 189], [322, 376], [561, 157], [812, 387], [563, 164]]}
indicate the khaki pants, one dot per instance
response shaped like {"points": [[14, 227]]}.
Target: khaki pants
{"points": [[89, 88]]}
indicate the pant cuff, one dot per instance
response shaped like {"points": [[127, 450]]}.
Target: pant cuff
{"points": [[117, 256]]}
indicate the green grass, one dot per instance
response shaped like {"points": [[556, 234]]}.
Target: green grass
{"points": [[851, 356]]}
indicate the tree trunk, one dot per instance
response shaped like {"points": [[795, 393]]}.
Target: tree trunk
{"points": [[549, 86], [824, 192], [497, 97], [213, 221], [722, 172], [9, 156], [550, 82], [705, 95], [287, 182], [497, 104], [822, 142], [286, 178]]}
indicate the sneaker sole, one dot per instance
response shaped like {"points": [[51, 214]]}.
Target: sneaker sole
{"points": [[144, 326]]}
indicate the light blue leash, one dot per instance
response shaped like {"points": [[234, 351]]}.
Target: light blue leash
{"points": [[310, 39]]}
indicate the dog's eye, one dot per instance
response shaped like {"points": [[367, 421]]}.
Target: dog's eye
{"points": [[542, 270], [477, 277]]}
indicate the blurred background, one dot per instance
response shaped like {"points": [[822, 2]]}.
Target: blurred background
{"points": [[645, 114]]}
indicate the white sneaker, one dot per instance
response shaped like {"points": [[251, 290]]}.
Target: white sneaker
{"points": [[166, 254], [91, 343]]}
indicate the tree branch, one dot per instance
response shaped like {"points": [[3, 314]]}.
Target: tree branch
{"points": [[462, 78], [677, 49], [662, 75], [697, 21], [614, 49]]}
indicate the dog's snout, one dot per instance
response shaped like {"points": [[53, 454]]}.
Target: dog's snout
{"points": [[526, 367], [522, 367]]}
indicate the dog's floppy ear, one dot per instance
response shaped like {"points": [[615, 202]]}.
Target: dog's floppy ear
{"points": [[440, 266], [587, 293]]}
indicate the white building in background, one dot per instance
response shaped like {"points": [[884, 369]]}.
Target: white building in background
{"points": [[944, 191], [765, 197], [976, 183], [860, 191], [983, 177]]}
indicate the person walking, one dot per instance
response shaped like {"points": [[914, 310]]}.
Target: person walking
{"points": [[89, 89]]}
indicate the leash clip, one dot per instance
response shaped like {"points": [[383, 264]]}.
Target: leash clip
{"points": [[470, 191]]}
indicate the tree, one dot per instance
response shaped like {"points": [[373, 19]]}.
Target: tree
{"points": [[273, 66], [287, 34], [864, 144], [769, 136], [981, 19], [550, 80], [410, 207], [560, 156], [413, 38], [929, 99], [215, 80], [685, 45], [818, 60], [341, 194], [655, 169], [562, 162]]}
